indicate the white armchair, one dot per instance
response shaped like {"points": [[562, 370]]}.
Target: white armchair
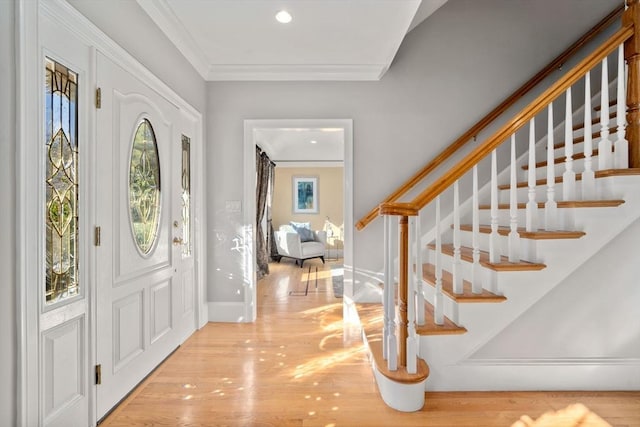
{"points": [[290, 244]]}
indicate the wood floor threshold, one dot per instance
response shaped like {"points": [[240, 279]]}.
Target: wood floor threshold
{"points": [[565, 204], [466, 254], [400, 375], [467, 295], [605, 173], [533, 235]]}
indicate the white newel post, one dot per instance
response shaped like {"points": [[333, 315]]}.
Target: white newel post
{"points": [[514, 236], [605, 160], [550, 206], [621, 150], [588, 176]]}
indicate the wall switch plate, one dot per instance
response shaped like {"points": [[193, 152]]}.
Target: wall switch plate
{"points": [[233, 206]]}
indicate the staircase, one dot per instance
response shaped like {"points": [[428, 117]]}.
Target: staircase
{"points": [[490, 298]]}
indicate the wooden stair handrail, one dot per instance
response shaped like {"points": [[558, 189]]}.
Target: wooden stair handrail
{"points": [[517, 122], [494, 114]]}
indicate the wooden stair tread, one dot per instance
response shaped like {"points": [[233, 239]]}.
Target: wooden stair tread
{"points": [[605, 173], [400, 375], [594, 121], [558, 160], [534, 235], [430, 328], [565, 204], [611, 104], [372, 318], [576, 140], [467, 296], [466, 254]]}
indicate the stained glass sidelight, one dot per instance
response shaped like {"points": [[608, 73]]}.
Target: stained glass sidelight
{"points": [[61, 152], [186, 196], [144, 187]]}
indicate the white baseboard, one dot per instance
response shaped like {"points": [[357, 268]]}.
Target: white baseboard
{"points": [[232, 312]]}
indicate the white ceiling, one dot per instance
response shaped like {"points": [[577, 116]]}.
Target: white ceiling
{"points": [[293, 146], [327, 39]]}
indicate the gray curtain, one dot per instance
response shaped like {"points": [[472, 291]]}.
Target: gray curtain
{"points": [[264, 172], [271, 241]]}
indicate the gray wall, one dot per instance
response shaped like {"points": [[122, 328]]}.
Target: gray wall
{"points": [[449, 72], [129, 26], [8, 343]]}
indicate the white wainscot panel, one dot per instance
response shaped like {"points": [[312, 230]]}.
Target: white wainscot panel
{"points": [[187, 292], [128, 329], [63, 366], [160, 310]]}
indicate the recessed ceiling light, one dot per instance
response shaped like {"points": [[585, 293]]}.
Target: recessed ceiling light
{"points": [[283, 17], [313, 141]]}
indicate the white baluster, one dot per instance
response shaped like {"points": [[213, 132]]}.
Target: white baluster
{"points": [[392, 345], [420, 300], [550, 206], [438, 309], [457, 262], [514, 236], [621, 152], [605, 160], [588, 176], [532, 206], [494, 237], [412, 349], [569, 175], [386, 289], [476, 271]]}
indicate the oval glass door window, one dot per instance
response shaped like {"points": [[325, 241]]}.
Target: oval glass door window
{"points": [[144, 187]]}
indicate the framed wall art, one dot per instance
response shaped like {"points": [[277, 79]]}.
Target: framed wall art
{"points": [[305, 195]]}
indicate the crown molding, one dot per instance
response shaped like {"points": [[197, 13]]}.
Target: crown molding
{"points": [[161, 13], [296, 72]]}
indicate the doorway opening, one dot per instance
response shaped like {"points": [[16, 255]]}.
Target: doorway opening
{"points": [[307, 153]]}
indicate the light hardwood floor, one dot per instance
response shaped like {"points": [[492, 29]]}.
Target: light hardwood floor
{"points": [[298, 366]]}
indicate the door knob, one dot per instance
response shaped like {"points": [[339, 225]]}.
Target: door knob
{"points": [[177, 241]]}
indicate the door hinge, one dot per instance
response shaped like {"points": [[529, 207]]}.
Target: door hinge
{"points": [[98, 98], [96, 236], [98, 374]]}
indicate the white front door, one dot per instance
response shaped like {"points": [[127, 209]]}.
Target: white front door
{"points": [[144, 295]]}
